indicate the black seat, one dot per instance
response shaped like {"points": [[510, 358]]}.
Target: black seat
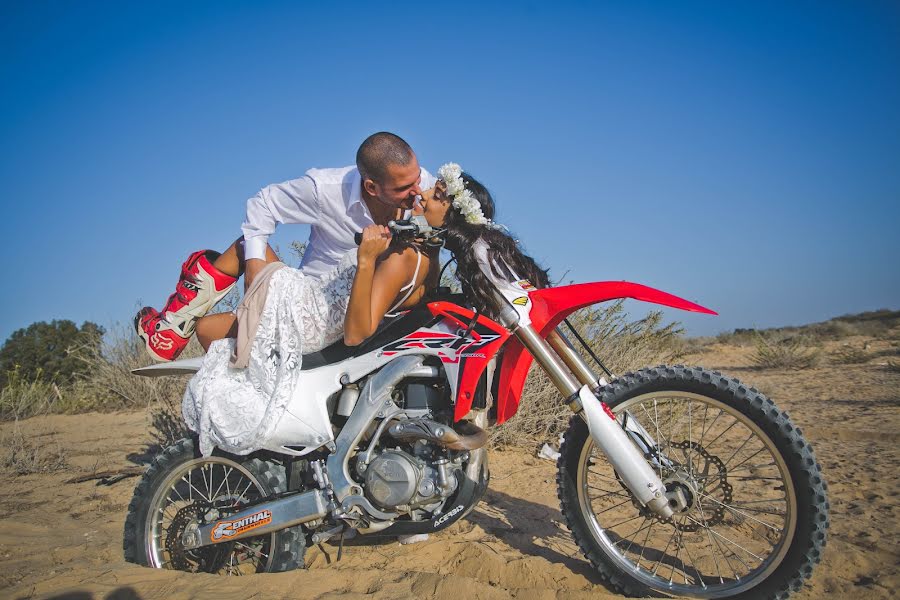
{"points": [[390, 330]]}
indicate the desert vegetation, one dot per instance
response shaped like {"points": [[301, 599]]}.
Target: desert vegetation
{"points": [[98, 377]]}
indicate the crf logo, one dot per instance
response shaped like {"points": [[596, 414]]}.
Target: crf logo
{"points": [[159, 342], [437, 340]]}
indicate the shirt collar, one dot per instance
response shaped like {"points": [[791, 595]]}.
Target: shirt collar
{"points": [[356, 204]]}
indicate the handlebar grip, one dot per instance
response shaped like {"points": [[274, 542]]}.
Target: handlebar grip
{"points": [[357, 237]]}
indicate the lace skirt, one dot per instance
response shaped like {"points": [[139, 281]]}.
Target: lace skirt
{"points": [[236, 409]]}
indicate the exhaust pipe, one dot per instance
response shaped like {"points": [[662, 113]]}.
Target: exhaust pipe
{"points": [[464, 436]]}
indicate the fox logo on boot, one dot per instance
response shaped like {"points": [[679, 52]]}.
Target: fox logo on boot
{"points": [[160, 343]]}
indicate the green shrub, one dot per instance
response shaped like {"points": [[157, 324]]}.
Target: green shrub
{"points": [[48, 351]]}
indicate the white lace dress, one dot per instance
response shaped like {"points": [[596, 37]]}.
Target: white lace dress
{"points": [[236, 409]]}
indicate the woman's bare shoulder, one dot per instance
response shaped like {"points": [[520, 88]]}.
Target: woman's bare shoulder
{"points": [[405, 256]]}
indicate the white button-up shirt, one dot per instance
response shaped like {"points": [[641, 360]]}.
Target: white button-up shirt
{"points": [[330, 200]]}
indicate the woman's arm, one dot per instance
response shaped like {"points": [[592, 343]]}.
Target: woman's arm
{"points": [[376, 287]]}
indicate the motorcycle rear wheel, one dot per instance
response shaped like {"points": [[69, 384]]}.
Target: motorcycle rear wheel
{"points": [[179, 487], [754, 513]]}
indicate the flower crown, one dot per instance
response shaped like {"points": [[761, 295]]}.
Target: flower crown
{"points": [[463, 200]]}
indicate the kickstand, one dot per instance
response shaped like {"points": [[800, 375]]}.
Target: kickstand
{"points": [[341, 546]]}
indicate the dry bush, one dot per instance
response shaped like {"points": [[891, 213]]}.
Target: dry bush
{"points": [[739, 337], [696, 345], [892, 366], [21, 456], [108, 385], [850, 355], [621, 344], [880, 324], [113, 385], [781, 352], [21, 398]]}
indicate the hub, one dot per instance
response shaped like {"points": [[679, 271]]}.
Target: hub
{"points": [[681, 492]]}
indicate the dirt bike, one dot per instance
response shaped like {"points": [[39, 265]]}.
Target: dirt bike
{"points": [[672, 479]]}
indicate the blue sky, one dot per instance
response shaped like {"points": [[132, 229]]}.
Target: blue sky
{"points": [[743, 155]]}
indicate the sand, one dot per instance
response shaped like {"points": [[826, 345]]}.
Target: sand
{"points": [[62, 539]]}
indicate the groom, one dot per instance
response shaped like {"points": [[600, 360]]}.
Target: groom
{"points": [[337, 203]]}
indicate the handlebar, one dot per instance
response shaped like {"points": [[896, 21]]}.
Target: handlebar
{"points": [[414, 227]]}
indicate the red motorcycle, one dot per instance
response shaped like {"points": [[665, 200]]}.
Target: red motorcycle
{"points": [[673, 480]]}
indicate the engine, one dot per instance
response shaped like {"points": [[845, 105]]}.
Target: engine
{"points": [[405, 481], [416, 463]]}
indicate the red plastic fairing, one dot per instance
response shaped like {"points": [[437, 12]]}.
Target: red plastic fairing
{"points": [[472, 357], [549, 307]]}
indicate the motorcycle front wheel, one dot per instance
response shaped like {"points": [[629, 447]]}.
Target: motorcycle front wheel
{"points": [[182, 487], [750, 502]]}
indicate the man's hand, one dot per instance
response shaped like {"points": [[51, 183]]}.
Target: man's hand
{"points": [[252, 267], [375, 240]]}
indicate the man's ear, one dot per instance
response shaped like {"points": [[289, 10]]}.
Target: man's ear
{"points": [[371, 187]]}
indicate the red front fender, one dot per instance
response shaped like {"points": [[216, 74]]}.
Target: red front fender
{"points": [[549, 307]]}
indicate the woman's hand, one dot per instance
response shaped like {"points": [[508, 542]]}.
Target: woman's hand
{"points": [[375, 240]]}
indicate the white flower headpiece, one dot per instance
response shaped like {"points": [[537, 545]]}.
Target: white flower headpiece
{"points": [[464, 200]]}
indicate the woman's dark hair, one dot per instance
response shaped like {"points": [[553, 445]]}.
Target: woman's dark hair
{"points": [[502, 249]]}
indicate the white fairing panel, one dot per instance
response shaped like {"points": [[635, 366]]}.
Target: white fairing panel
{"points": [[185, 366], [515, 289], [305, 425]]}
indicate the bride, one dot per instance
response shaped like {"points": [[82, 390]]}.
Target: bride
{"points": [[253, 357]]}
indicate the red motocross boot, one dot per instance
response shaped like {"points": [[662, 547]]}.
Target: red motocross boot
{"points": [[200, 287]]}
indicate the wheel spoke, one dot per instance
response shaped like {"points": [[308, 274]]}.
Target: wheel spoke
{"points": [[697, 574], [194, 489], [608, 492], [741, 447], [690, 457], [663, 554], [224, 480], [253, 550], [602, 475], [246, 489], [633, 536], [626, 501], [727, 429], [625, 521], [734, 510], [737, 466], [711, 540], [725, 539]]}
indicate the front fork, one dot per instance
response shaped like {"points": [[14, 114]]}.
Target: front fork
{"points": [[577, 382]]}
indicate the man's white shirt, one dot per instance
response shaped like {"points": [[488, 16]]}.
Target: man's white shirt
{"points": [[330, 200]]}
